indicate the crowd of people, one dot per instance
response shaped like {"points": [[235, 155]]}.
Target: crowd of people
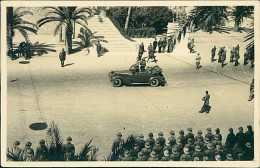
{"points": [[189, 147], [23, 50]]}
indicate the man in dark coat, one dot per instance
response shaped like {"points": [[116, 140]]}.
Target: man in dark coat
{"points": [[141, 157], [160, 44], [213, 53], [142, 65], [164, 44], [155, 45], [248, 152], [249, 135], [232, 53], [150, 139], [189, 135], [172, 138], [141, 50], [230, 141], [206, 107], [99, 48], [127, 156], [236, 57], [117, 142], [218, 132], [223, 57], [41, 152], [240, 140], [161, 139], [197, 153], [69, 150], [209, 134], [141, 141], [182, 137], [210, 152], [62, 56]]}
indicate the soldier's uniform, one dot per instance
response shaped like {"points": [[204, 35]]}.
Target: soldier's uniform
{"points": [[127, 156], [230, 141], [157, 148], [150, 140], [117, 142], [141, 50], [232, 51], [166, 156], [249, 135], [134, 151], [155, 45], [213, 53], [248, 152], [218, 132], [246, 57], [141, 157], [41, 152], [209, 134], [168, 146], [219, 151], [172, 138], [236, 57], [142, 65], [69, 150], [197, 153], [147, 150], [210, 152], [189, 135], [141, 141], [223, 57], [160, 44], [178, 145], [175, 156], [240, 139], [161, 139], [186, 155], [216, 140], [153, 156], [15, 150], [190, 145], [62, 57]]}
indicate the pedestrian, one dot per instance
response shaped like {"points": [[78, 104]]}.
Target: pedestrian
{"points": [[240, 140], [141, 157], [172, 138], [141, 50], [41, 152], [142, 65], [166, 156], [198, 58], [141, 141], [236, 57], [220, 54], [213, 53], [232, 51], [218, 132], [118, 142], [223, 57], [230, 141], [249, 135], [164, 44], [246, 57], [209, 134], [16, 151], [127, 156], [28, 51], [28, 152], [147, 150], [62, 56], [189, 135], [150, 52], [175, 156], [99, 49], [150, 139], [69, 149], [251, 96], [160, 44], [155, 43], [186, 155], [153, 156], [206, 107], [161, 139]]}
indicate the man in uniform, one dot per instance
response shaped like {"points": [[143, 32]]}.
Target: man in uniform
{"points": [[251, 96], [236, 57], [99, 48], [69, 150], [246, 57], [127, 156], [117, 142], [155, 45], [213, 53], [249, 135], [189, 135], [206, 107], [209, 134], [27, 153], [161, 139], [172, 138], [160, 44], [240, 140], [223, 57], [143, 65], [182, 137], [150, 52], [198, 58], [232, 51], [16, 151], [141, 141], [218, 132], [150, 139], [230, 141], [41, 152], [62, 56], [164, 44], [141, 50]]}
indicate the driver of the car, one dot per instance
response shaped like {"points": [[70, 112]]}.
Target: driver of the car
{"points": [[134, 68]]}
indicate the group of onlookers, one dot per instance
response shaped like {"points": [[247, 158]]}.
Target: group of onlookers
{"points": [[23, 50], [189, 147]]}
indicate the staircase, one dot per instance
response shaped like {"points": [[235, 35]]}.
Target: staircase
{"points": [[109, 37]]}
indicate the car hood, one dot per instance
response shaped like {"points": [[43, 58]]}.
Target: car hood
{"points": [[122, 72]]}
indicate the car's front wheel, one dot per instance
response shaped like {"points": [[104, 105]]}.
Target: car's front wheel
{"points": [[117, 82], [154, 82]]}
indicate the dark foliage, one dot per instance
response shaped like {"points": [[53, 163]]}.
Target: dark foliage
{"points": [[142, 32]]}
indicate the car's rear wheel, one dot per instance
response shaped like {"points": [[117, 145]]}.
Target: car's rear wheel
{"points": [[154, 82], [117, 82]]}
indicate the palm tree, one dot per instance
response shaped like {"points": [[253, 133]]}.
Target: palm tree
{"points": [[127, 19], [16, 22], [251, 45], [208, 18], [239, 13], [66, 16], [85, 36]]}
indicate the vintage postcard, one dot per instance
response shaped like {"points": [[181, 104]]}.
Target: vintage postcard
{"points": [[124, 83]]}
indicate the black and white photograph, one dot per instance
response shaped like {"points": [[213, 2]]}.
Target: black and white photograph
{"points": [[121, 83]]}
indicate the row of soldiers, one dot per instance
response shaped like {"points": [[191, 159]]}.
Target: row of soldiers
{"points": [[23, 50], [234, 56], [189, 147], [42, 152]]}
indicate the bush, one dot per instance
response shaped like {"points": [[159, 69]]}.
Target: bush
{"points": [[142, 32]]}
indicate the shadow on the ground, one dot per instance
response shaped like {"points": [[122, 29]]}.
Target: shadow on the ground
{"points": [[78, 48], [24, 62], [14, 80], [38, 49], [69, 64]]}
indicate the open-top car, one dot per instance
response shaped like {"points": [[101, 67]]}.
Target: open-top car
{"points": [[152, 76]]}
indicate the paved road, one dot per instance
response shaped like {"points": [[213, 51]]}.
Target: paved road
{"points": [[82, 101]]}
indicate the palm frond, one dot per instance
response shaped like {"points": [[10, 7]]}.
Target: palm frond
{"points": [[83, 155], [24, 34], [58, 28], [47, 20], [93, 154], [24, 27]]}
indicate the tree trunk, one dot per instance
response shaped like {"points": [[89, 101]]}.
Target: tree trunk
{"points": [[9, 27], [74, 30], [60, 40], [68, 40], [236, 26], [127, 19]]}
